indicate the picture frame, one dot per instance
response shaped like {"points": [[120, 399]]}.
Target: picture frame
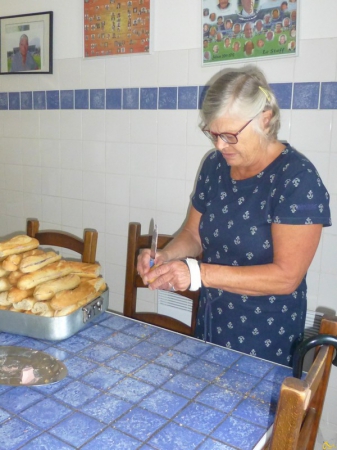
{"points": [[26, 44], [117, 28], [241, 30]]}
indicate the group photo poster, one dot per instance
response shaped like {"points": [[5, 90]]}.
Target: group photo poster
{"points": [[116, 27], [246, 29]]}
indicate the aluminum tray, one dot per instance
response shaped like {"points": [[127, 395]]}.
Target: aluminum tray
{"points": [[53, 328]]}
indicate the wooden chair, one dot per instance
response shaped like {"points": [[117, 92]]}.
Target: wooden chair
{"points": [[86, 247], [137, 242], [301, 401]]}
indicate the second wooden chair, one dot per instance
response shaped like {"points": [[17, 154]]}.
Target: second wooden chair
{"points": [[137, 242]]}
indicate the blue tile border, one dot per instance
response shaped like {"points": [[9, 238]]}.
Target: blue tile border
{"points": [[309, 95]]}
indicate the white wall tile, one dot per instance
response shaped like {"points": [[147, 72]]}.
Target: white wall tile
{"points": [[117, 72], [50, 124], [30, 152], [168, 62], [14, 203], [51, 181], [168, 222], [50, 153], [93, 156], [94, 187], [332, 180], [117, 189], [144, 70], [69, 73], [51, 211], [32, 205], [323, 68], [310, 130], [328, 264], [93, 125], [32, 180], [71, 124], [14, 177], [115, 279], [117, 126], [117, 156], [93, 73], [94, 216], [144, 217], [71, 213], [172, 127], [143, 127], [30, 124], [115, 249], [170, 195], [72, 183], [11, 150], [71, 154], [12, 124], [142, 192], [117, 219], [143, 160], [172, 161]]}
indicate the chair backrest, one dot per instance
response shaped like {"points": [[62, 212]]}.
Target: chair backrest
{"points": [[86, 247], [301, 401], [137, 242]]}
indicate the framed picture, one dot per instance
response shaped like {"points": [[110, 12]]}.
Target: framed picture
{"points": [[113, 27], [26, 44], [236, 30]]}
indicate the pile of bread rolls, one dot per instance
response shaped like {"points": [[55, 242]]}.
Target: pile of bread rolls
{"points": [[34, 281]]}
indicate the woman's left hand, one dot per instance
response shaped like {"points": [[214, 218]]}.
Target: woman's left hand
{"points": [[170, 276]]}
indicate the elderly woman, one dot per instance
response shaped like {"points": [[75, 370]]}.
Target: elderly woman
{"points": [[256, 217]]}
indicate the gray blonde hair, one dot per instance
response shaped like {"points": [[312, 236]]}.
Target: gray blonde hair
{"points": [[242, 94]]}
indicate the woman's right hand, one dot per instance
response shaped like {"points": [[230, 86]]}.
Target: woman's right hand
{"points": [[143, 263]]}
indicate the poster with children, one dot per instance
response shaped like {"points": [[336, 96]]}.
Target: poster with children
{"points": [[116, 27], [244, 29]]}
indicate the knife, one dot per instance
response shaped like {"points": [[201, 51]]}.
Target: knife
{"points": [[153, 245]]}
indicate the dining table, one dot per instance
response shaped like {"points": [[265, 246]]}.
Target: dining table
{"points": [[131, 385]]}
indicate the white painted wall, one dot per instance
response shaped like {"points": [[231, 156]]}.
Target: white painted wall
{"points": [[85, 168]]}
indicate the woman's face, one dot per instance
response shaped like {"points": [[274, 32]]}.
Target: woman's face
{"points": [[246, 152]]}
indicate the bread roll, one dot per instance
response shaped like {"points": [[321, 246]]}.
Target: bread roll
{"points": [[48, 314], [17, 244], [13, 277], [50, 272], [2, 307], [46, 291], [3, 272], [85, 270], [4, 284], [11, 263], [33, 263], [15, 295], [4, 299], [40, 308], [67, 310], [35, 252], [25, 304], [84, 292]]}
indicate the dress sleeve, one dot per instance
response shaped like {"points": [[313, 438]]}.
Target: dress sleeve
{"points": [[302, 198], [205, 185]]}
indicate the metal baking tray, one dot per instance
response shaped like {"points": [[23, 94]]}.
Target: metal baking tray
{"points": [[53, 328]]}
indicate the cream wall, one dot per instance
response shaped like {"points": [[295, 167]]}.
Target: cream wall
{"points": [[104, 168]]}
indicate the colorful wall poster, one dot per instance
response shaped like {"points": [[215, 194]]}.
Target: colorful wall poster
{"points": [[113, 27], [235, 30]]}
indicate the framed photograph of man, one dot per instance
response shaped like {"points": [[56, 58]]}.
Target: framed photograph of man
{"points": [[26, 44], [236, 30]]}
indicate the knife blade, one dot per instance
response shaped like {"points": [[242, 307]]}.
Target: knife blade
{"points": [[154, 241]]}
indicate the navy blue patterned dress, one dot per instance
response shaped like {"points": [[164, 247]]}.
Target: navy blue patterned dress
{"points": [[235, 230]]}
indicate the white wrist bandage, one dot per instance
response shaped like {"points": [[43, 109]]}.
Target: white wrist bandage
{"points": [[195, 274]]}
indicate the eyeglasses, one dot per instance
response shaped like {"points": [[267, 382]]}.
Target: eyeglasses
{"points": [[229, 138]]}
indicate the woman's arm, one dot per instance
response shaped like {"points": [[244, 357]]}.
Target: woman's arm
{"points": [[294, 248]]}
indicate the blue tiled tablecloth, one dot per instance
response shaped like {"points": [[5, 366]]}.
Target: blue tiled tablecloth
{"points": [[134, 386]]}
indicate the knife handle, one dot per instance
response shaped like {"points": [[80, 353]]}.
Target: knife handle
{"points": [[151, 262]]}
